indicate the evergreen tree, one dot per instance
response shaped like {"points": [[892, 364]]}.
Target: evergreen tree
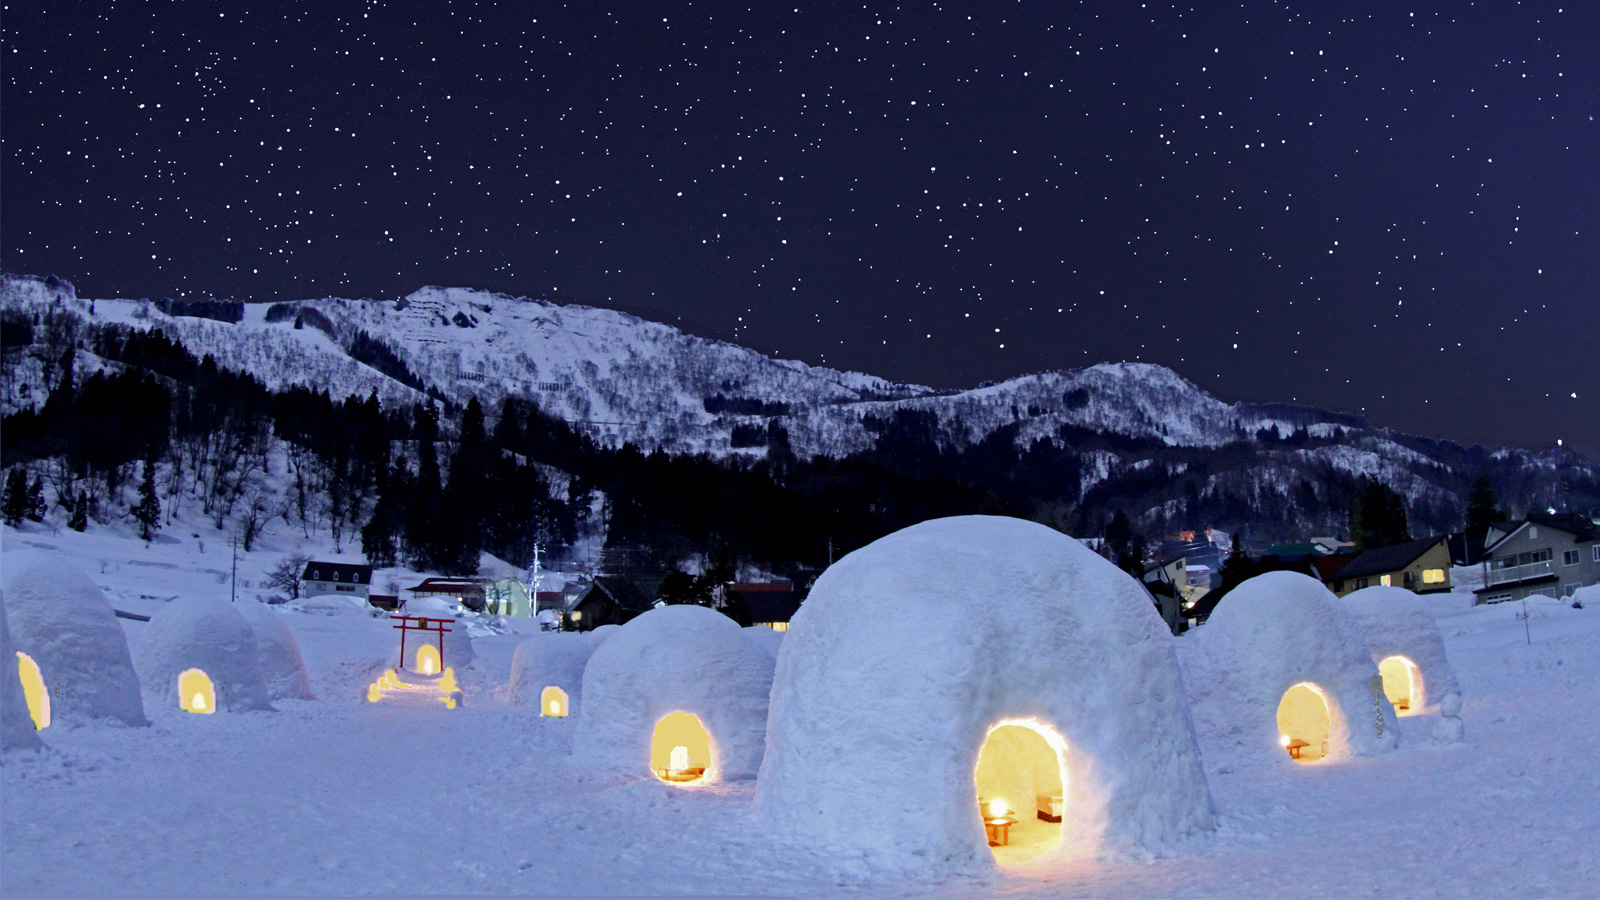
{"points": [[36, 505], [1483, 509], [1378, 517], [79, 519], [14, 506], [148, 511]]}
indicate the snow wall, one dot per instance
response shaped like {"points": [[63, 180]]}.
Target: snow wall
{"points": [[1396, 621], [1268, 634], [675, 659], [279, 653], [550, 658], [61, 619], [210, 635], [910, 649], [16, 726]]}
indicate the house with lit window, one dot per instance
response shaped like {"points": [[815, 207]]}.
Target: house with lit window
{"points": [[320, 578], [770, 604], [1552, 555], [609, 600], [1421, 566]]}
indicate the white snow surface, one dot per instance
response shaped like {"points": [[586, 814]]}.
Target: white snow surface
{"points": [[1268, 634], [58, 616], [910, 649], [767, 639], [1397, 622], [210, 635], [16, 725], [675, 659], [598, 636], [279, 653], [549, 658]]}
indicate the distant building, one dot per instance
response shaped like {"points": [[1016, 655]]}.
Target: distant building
{"points": [[1553, 555], [320, 578], [762, 603], [1422, 566], [610, 600], [1176, 586], [468, 592]]}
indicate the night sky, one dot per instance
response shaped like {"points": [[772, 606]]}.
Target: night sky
{"points": [[1379, 207]]}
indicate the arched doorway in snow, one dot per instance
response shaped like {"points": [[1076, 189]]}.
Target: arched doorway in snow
{"points": [[196, 694], [1402, 683], [680, 749], [1021, 778], [553, 702], [34, 691], [1304, 722], [427, 660]]}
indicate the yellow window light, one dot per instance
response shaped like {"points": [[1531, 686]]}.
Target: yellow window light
{"points": [[680, 749], [428, 660], [553, 702], [196, 693], [34, 691]]}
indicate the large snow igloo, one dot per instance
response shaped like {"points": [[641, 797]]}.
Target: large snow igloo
{"points": [[1281, 672], [71, 651], [279, 653], [1408, 648], [17, 730], [199, 655], [974, 690], [547, 672], [679, 693]]}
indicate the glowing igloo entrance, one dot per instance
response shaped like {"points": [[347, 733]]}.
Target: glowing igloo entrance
{"points": [[680, 749], [1402, 683], [427, 660], [34, 691], [195, 692], [553, 702], [1304, 723], [1021, 778]]}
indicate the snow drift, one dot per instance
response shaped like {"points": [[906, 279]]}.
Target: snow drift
{"points": [[62, 620], [908, 651], [209, 635], [686, 659]]}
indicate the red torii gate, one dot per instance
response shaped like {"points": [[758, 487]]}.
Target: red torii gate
{"points": [[422, 625]]}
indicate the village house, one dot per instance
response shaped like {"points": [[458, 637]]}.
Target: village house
{"points": [[353, 579], [469, 592], [1552, 555], [609, 600], [768, 603], [1421, 566]]}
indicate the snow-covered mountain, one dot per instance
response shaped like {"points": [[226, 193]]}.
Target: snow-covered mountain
{"points": [[628, 380]]}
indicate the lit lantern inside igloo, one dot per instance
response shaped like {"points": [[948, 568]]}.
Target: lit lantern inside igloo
{"points": [[427, 661], [1304, 722], [553, 702], [680, 748], [196, 694], [34, 691], [1402, 684], [1021, 779]]}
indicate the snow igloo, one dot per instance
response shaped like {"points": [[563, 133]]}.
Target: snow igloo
{"points": [[1281, 672], [974, 691], [71, 652], [199, 654], [1408, 649], [678, 693], [17, 728], [429, 653], [282, 666], [547, 672]]}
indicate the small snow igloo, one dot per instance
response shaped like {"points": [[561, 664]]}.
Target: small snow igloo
{"points": [[979, 690], [427, 652], [1280, 671], [18, 730], [547, 672], [281, 664], [1407, 647], [71, 652], [199, 654], [678, 693]]}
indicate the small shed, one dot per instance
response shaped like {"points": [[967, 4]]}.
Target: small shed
{"points": [[199, 654]]}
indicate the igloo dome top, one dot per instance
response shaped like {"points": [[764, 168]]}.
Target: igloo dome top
{"points": [[281, 664], [908, 651], [687, 659], [1397, 622], [544, 660], [210, 635], [62, 621], [16, 725], [1267, 635], [598, 636]]}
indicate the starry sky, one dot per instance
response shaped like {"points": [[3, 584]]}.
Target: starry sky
{"points": [[1380, 207]]}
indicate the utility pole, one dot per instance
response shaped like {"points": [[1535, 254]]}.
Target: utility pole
{"points": [[233, 587]]}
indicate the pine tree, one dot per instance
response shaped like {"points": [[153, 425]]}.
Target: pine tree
{"points": [[14, 506], [79, 519], [36, 505], [1483, 509], [148, 512]]}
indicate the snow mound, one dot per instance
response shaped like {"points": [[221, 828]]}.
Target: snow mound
{"points": [[554, 659], [910, 650], [206, 634], [1267, 635], [457, 653], [279, 653], [765, 638], [1397, 622], [61, 619], [599, 635], [675, 659], [333, 605], [16, 726]]}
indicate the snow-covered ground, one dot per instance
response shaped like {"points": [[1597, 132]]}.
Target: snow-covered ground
{"points": [[338, 796]]}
